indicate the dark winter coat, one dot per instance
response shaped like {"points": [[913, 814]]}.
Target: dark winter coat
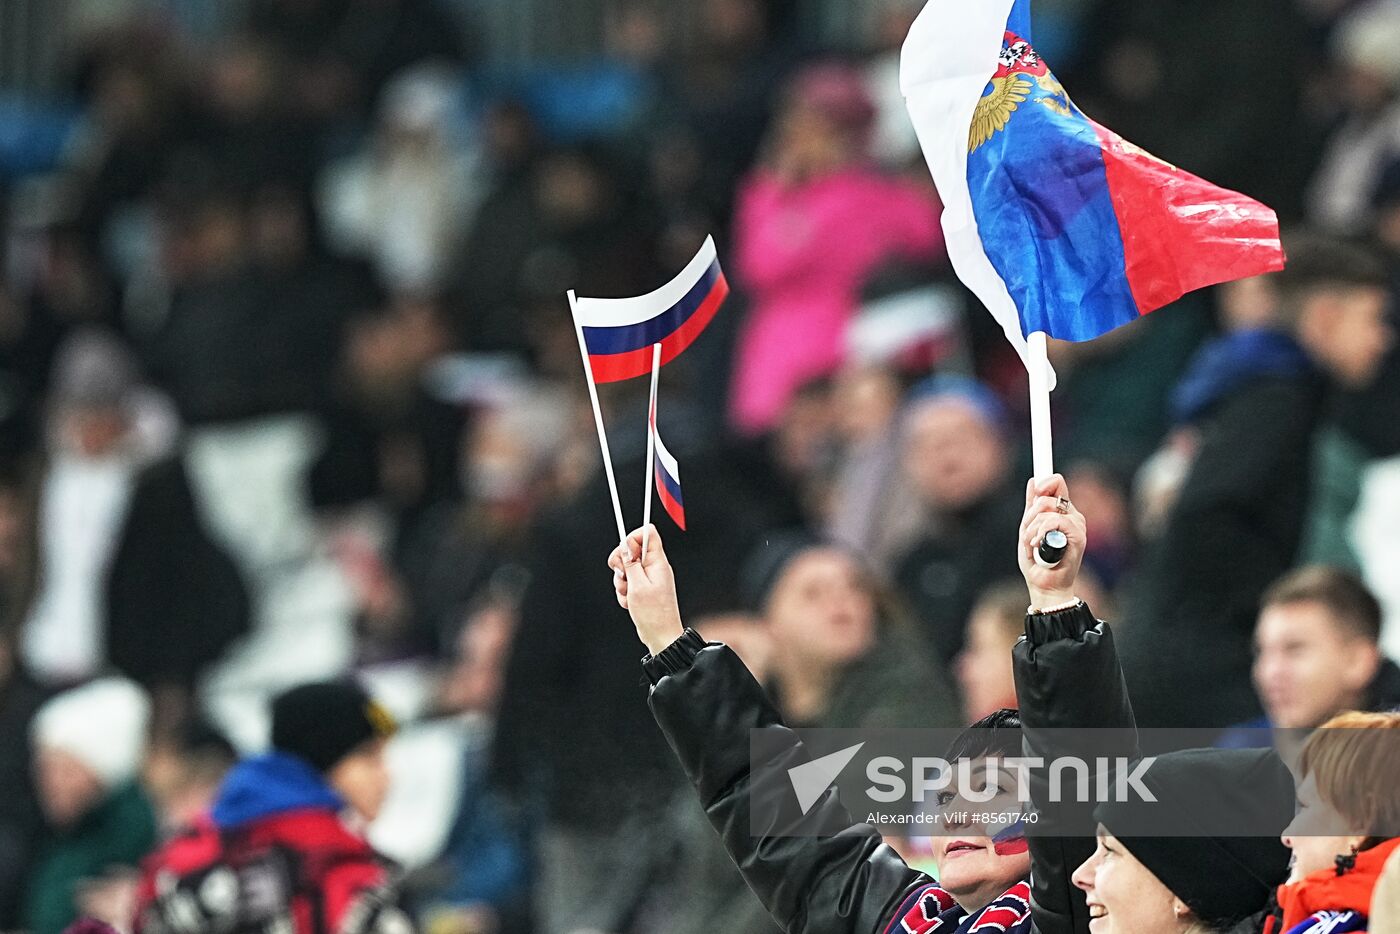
{"points": [[942, 574], [175, 599], [20, 820], [1236, 526], [706, 703]]}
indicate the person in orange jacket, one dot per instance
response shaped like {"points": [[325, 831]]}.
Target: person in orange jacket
{"points": [[1348, 770]]}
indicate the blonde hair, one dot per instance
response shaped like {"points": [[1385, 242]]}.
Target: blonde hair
{"points": [[1354, 760]]}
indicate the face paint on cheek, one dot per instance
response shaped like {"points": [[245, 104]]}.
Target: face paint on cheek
{"points": [[1011, 841]]}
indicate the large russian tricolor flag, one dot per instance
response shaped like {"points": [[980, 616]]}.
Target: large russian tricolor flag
{"points": [[1056, 223], [619, 332]]}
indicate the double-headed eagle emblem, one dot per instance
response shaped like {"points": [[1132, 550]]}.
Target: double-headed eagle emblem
{"points": [[1020, 74]]}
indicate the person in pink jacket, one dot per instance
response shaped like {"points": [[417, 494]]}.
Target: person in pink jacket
{"points": [[813, 222]]}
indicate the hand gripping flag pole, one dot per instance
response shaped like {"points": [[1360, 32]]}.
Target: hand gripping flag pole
{"points": [[598, 420]]}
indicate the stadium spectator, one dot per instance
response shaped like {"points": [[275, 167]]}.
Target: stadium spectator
{"points": [[102, 431], [243, 125], [958, 461], [404, 202], [472, 550], [1143, 70], [1348, 822], [597, 851], [21, 819], [1342, 191], [1145, 884], [342, 54], [831, 629], [88, 746], [484, 867], [1317, 652], [275, 841], [870, 491], [836, 656], [717, 101], [812, 224], [983, 667], [486, 279], [389, 441], [184, 772], [1256, 400]]}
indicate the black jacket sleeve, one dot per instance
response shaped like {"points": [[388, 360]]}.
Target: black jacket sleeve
{"points": [[850, 882], [1067, 679]]}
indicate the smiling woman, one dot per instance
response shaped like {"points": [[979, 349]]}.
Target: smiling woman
{"points": [[1138, 883]]}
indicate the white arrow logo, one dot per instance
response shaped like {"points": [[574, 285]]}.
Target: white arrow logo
{"points": [[811, 779]]}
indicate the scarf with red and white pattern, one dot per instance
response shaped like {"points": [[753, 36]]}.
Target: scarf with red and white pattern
{"points": [[931, 910]]}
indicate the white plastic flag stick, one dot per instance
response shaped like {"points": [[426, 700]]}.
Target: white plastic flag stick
{"points": [[651, 445], [1052, 548], [598, 420], [1042, 447]]}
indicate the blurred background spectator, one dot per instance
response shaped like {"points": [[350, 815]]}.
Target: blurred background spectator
{"points": [[289, 391], [88, 747]]}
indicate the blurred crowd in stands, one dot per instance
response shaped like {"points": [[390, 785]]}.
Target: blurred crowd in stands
{"points": [[289, 392]]}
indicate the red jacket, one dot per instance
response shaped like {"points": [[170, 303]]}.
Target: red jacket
{"points": [[1326, 891], [273, 856]]}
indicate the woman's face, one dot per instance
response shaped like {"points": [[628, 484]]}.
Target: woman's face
{"points": [[984, 667], [823, 608], [1312, 835], [1124, 896], [969, 866]]}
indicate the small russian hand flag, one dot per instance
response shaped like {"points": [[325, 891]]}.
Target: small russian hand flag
{"points": [[668, 480], [619, 332]]}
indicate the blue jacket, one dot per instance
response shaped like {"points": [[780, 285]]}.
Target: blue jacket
{"points": [[271, 784]]}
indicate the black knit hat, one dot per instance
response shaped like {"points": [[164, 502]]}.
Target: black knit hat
{"points": [[1205, 797], [326, 721], [767, 562]]}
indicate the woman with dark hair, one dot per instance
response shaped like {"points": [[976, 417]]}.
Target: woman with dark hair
{"points": [[831, 649], [850, 882], [839, 652]]}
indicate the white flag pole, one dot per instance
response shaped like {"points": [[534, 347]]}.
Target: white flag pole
{"points": [[598, 419], [1042, 446], [651, 445], [1051, 549]]}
